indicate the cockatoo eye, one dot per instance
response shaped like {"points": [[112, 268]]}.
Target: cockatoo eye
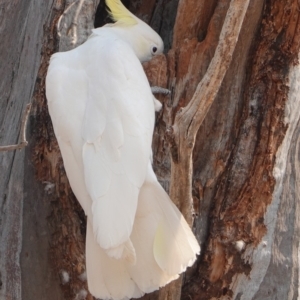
{"points": [[154, 50]]}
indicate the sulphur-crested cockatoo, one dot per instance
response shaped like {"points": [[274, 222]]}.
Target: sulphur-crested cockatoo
{"points": [[103, 112]]}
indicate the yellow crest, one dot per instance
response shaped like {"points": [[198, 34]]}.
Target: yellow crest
{"points": [[119, 13]]}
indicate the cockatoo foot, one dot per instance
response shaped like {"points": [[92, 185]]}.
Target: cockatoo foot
{"points": [[160, 90], [157, 104]]}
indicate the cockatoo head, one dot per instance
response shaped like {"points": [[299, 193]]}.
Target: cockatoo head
{"points": [[142, 38]]}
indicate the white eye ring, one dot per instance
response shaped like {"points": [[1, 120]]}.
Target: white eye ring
{"points": [[154, 50]]}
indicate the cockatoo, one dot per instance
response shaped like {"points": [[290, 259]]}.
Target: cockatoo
{"points": [[103, 113]]}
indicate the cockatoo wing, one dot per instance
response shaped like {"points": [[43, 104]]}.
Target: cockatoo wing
{"points": [[66, 96], [115, 152], [113, 115]]}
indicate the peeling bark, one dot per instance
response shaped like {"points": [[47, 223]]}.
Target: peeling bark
{"points": [[20, 57], [247, 187]]}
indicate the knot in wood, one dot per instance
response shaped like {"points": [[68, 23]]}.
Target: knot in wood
{"points": [[170, 137], [190, 144]]}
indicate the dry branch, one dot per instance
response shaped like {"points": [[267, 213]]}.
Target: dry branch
{"points": [[189, 119], [23, 143], [192, 116]]}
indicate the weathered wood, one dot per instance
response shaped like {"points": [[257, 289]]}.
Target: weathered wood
{"points": [[21, 33], [66, 220], [189, 118], [241, 210], [22, 49], [275, 261]]}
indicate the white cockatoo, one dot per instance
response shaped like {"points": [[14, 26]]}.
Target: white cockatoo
{"points": [[103, 112]]}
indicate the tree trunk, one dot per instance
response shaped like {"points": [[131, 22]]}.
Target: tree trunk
{"points": [[245, 161]]}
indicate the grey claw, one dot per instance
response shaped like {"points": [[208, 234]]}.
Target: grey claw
{"points": [[160, 90]]}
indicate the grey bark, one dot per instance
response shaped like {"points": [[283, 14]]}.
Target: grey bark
{"points": [[26, 271], [275, 261], [21, 34]]}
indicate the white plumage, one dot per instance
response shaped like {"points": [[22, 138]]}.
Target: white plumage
{"points": [[103, 112]]}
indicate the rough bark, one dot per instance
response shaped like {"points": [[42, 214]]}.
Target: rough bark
{"points": [[21, 42], [66, 220], [245, 193], [245, 162], [31, 217], [188, 120]]}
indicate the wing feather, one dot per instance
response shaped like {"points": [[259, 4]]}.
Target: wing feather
{"points": [[109, 128], [95, 119]]}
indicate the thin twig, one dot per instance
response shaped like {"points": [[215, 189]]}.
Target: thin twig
{"points": [[23, 143], [74, 24], [63, 15]]}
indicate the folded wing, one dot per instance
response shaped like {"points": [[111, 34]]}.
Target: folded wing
{"points": [[110, 110]]}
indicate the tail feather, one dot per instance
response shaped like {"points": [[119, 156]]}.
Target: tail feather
{"points": [[174, 245], [147, 273], [107, 278], [124, 251], [164, 247]]}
